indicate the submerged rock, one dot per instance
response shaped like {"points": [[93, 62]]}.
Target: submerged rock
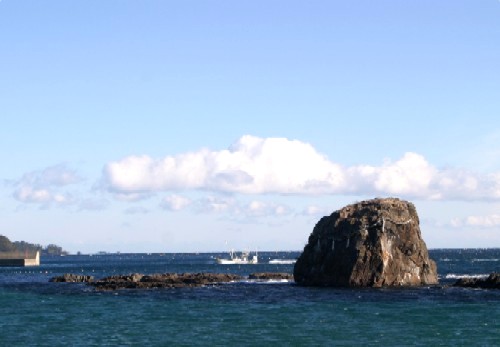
{"points": [[372, 243], [491, 282]]}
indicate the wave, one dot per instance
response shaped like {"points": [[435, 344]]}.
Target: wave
{"points": [[479, 260], [458, 276], [282, 261], [258, 281]]}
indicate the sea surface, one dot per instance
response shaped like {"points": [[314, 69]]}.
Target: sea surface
{"points": [[36, 312]]}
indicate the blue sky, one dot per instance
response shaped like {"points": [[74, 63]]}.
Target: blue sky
{"points": [[170, 126]]}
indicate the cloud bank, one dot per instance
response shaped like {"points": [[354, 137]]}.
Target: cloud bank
{"points": [[256, 165]]}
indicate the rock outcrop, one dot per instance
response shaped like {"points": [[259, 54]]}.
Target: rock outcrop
{"points": [[490, 282], [167, 280], [72, 278], [372, 243]]}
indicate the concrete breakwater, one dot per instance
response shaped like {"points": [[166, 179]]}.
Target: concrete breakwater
{"points": [[19, 259]]}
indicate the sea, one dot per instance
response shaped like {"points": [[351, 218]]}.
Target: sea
{"points": [[36, 312]]}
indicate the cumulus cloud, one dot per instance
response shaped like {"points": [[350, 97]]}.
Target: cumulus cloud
{"points": [[251, 166], [44, 186], [256, 165]]}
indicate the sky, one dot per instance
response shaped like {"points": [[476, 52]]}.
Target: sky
{"points": [[197, 126]]}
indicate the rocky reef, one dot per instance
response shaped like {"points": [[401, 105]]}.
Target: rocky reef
{"points": [[166, 280], [490, 282], [72, 278], [372, 243]]}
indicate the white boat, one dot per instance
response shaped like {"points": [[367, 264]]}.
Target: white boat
{"points": [[243, 258]]}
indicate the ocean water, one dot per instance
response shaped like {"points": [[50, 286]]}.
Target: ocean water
{"points": [[36, 312]]}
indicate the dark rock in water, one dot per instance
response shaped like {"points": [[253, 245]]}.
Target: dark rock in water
{"points": [[491, 282], [72, 278], [270, 276], [167, 280], [372, 243]]}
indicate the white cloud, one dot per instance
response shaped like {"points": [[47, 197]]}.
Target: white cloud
{"points": [[44, 186], [175, 202], [256, 165], [410, 175], [483, 221], [43, 197], [213, 204], [53, 176], [226, 205], [251, 166], [488, 221], [262, 209], [28, 194], [316, 211]]}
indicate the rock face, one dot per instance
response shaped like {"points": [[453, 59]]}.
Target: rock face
{"points": [[372, 243], [491, 282]]}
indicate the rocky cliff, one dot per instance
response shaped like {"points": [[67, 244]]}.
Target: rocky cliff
{"points": [[372, 243]]}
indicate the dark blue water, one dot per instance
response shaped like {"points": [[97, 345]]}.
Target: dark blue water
{"points": [[34, 311]]}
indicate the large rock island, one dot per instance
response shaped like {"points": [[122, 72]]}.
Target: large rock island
{"points": [[372, 243]]}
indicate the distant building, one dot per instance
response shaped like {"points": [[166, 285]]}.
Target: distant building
{"points": [[20, 259]]}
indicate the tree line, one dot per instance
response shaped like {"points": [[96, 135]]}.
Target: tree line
{"points": [[23, 247]]}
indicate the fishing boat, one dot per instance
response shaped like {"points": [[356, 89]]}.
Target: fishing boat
{"points": [[243, 258]]}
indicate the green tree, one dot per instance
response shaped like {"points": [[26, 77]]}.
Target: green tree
{"points": [[25, 247], [6, 245], [53, 250]]}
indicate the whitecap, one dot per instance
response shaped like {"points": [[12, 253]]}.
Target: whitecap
{"points": [[266, 281], [282, 261], [458, 276]]}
